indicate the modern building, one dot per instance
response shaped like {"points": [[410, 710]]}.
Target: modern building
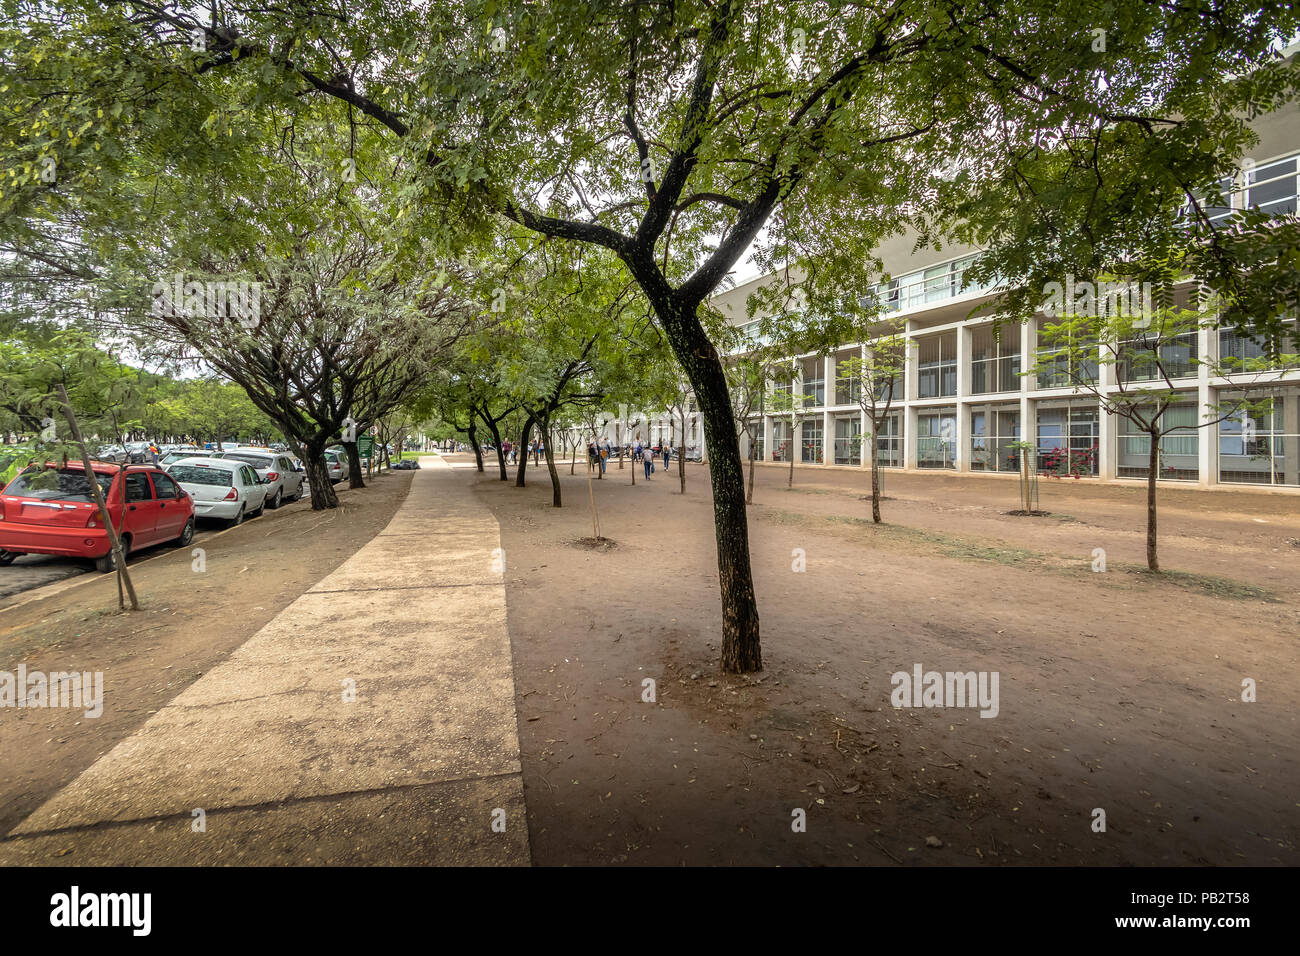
{"points": [[967, 393]]}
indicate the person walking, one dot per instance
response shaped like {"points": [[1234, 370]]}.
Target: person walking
{"points": [[668, 452], [647, 461]]}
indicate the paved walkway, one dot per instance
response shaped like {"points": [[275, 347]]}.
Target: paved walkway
{"points": [[415, 770]]}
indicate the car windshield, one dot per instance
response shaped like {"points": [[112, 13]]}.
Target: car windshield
{"points": [[200, 475], [57, 485]]}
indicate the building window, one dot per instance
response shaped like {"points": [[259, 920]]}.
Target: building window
{"points": [[1272, 187], [1176, 358], [992, 432], [1178, 449], [782, 441], [1262, 446], [1059, 365], [889, 442], [936, 439], [1068, 439], [814, 381], [936, 372], [995, 364], [847, 391], [1242, 350], [848, 441], [811, 443]]}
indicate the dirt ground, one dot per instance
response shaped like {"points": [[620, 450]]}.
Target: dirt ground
{"points": [[189, 621], [1118, 691]]}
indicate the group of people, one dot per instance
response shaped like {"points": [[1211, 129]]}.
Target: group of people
{"points": [[599, 454], [510, 451]]}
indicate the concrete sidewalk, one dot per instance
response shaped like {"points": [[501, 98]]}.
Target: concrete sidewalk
{"points": [[415, 770]]}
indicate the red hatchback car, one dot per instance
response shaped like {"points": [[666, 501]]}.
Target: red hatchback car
{"points": [[52, 510]]}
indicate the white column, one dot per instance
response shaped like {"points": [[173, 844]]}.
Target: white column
{"points": [[1207, 444], [908, 416], [1107, 424], [828, 420], [962, 431]]}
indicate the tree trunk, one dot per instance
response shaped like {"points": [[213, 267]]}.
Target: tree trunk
{"points": [[550, 466], [318, 478], [790, 481], [749, 495], [681, 465], [472, 434], [355, 480], [741, 648], [523, 452], [1153, 475], [875, 485], [496, 443]]}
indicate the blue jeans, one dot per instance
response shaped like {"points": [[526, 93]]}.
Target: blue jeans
{"points": [[646, 462]]}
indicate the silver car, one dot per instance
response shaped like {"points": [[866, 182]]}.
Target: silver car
{"points": [[221, 488], [283, 481], [337, 463]]}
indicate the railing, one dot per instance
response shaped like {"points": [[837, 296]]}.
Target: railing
{"points": [[915, 290]]}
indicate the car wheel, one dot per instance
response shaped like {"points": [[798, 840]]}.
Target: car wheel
{"points": [[186, 536], [105, 563], [260, 509], [277, 500], [7, 557], [237, 519]]}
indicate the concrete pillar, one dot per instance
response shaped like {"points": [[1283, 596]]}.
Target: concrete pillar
{"points": [[1207, 436], [962, 431], [767, 438], [1289, 413], [1107, 425]]}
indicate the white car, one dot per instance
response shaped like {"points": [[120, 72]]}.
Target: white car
{"points": [[283, 481], [222, 488], [336, 461]]}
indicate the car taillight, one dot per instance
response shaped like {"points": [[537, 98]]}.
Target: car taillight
{"points": [[272, 476], [232, 495], [93, 520]]}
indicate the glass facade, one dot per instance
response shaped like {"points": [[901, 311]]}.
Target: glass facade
{"points": [[889, 443], [995, 360], [1068, 438], [1261, 445], [811, 441], [936, 439], [782, 441], [1178, 449], [993, 429], [936, 368], [848, 441]]}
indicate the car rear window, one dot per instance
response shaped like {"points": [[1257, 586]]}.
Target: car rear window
{"points": [[257, 461], [200, 474], [62, 484]]}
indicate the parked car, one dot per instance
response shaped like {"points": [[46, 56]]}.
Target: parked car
{"points": [[337, 463], [175, 456], [223, 488], [284, 482], [138, 452], [52, 510], [112, 453]]}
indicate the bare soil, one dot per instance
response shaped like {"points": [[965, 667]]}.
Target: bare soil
{"points": [[189, 622], [1119, 690]]}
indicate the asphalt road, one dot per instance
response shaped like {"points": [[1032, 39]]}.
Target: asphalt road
{"points": [[32, 571]]}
